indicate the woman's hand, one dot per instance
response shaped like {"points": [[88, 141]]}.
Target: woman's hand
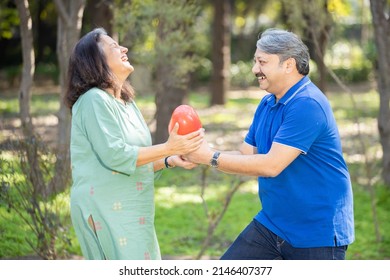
{"points": [[184, 144], [180, 161]]}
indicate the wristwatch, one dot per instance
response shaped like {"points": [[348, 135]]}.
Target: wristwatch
{"points": [[214, 159], [167, 165]]}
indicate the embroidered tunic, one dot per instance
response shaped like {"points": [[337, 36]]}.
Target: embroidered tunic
{"points": [[112, 200]]}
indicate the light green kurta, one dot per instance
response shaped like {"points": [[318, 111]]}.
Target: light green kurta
{"points": [[107, 185]]}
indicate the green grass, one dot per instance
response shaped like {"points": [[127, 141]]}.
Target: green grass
{"points": [[366, 246], [42, 105], [181, 222], [13, 234], [179, 206]]}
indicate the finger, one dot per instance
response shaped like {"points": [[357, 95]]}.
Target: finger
{"points": [[191, 166], [184, 157], [175, 128], [196, 133]]}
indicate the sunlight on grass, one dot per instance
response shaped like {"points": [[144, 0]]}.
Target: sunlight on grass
{"points": [[170, 197], [199, 100], [173, 196], [45, 104], [9, 107], [182, 228], [222, 118], [42, 105]]}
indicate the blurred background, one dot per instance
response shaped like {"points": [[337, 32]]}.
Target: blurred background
{"points": [[198, 52]]}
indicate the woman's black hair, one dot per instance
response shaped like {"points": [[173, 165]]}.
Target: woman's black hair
{"points": [[88, 68]]}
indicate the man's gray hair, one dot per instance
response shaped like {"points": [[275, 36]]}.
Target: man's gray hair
{"points": [[285, 44]]}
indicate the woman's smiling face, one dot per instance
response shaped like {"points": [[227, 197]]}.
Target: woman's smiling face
{"points": [[116, 57]]}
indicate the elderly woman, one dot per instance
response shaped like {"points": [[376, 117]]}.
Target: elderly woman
{"points": [[114, 163]]}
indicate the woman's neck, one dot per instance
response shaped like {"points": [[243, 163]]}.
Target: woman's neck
{"points": [[115, 93]]}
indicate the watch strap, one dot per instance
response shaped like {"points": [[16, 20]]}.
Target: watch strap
{"points": [[167, 165]]}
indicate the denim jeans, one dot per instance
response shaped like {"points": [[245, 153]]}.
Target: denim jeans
{"points": [[256, 242]]}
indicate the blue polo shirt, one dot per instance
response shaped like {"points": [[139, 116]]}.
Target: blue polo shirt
{"points": [[310, 203]]}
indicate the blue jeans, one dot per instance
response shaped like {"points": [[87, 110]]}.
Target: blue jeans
{"points": [[256, 242]]}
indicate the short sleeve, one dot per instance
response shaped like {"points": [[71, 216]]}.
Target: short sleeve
{"points": [[303, 122], [250, 138]]}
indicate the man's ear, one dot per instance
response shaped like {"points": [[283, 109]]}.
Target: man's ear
{"points": [[290, 64]]}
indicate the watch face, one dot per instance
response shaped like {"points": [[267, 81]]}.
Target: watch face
{"points": [[214, 160]]}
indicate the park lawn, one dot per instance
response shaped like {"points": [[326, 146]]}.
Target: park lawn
{"points": [[181, 221]]}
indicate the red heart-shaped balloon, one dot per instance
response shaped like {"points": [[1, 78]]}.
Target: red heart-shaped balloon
{"points": [[187, 118]]}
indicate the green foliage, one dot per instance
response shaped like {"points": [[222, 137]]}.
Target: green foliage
{"points": [[241, 74], [203, 70], [162, 33], [339, 7], [300, 19], [9, 19], [42, 216], [349, 62], [12, 73], [47, 71]]}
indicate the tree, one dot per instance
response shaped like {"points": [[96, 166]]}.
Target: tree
{"points": [[380, 17], [165, 32], [220, 51], [173, 46], [99, 14], [36, 192], [68, 33], [25, 92], [314, 22]]}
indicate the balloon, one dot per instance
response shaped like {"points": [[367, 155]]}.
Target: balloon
{"points": [[187, 118]]}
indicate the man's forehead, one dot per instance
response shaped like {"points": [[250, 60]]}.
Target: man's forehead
{"points": [[261, 54]]}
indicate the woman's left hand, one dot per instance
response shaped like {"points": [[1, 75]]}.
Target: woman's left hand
{"points": [[181, 162]]}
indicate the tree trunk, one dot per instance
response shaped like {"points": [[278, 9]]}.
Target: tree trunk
{"points": [[315, 25], [100, 14], [381, 22], [320, 37], [167, 99], [68, 32], [321, 41], [174, 49], [169, 94], [220, 79], [30, 142], [28, 66]]}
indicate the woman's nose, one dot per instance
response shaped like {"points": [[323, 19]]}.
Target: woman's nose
{"points": [[125, 50]]}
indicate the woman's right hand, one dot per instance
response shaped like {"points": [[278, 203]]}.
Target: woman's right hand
{"points": [[184, 144]]}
